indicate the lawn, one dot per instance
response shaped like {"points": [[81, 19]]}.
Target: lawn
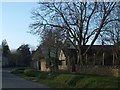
{"points": [[73, 80]]}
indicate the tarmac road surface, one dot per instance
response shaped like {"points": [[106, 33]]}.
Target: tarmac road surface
{"points": [[11, 81]]}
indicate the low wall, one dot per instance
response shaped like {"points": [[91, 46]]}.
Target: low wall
{"points": [[99, 70]]}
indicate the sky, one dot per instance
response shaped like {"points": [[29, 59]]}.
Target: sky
{"points": [[16, 18]]}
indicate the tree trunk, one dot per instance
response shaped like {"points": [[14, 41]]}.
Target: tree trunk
{"points": [[113, 59], [79, 57], [94, 59], [73, 64], [73, 68], [49, 53], [103, 59], [86, 58], [56, 60]]}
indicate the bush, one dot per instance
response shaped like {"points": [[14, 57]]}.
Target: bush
{"points": [[30, 72], [15, 71], [18, 70], [43, 75]]}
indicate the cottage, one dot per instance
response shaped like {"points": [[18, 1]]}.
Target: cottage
{"points": [[38, 60], [97, 59]]}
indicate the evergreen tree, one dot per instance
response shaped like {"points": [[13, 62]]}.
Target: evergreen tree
{"points": [[24, 55], [5, 53]]}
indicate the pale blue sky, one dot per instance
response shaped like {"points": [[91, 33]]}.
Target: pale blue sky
{"points": [[15, 23]]}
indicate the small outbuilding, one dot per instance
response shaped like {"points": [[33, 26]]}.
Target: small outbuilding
{"points": [[38, 60]]}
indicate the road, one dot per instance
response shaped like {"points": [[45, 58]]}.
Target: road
{"points": [[11, 81]]}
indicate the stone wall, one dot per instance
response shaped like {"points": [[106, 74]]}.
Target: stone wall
{"points": [[99, 70]]}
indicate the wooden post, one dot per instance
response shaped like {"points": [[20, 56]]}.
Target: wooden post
{"points": [[103, 59]]}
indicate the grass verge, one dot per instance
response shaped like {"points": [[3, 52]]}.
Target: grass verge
{"points": [[68, 80]]}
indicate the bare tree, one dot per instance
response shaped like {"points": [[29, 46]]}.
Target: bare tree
{"points": [[52, 41], [111, 33], [80, 21]]}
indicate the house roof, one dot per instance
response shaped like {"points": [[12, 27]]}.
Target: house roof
{"points": [[37, 54], [99, 48], [42, 52], [94, 49], [69, 52]]}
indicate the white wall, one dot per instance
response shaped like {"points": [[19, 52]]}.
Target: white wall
{"points": [[63, 59]]}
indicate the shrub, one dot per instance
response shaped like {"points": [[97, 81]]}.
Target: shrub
{"points": [[18, 70], [15, 71], [31, 72], [43, 75]]}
